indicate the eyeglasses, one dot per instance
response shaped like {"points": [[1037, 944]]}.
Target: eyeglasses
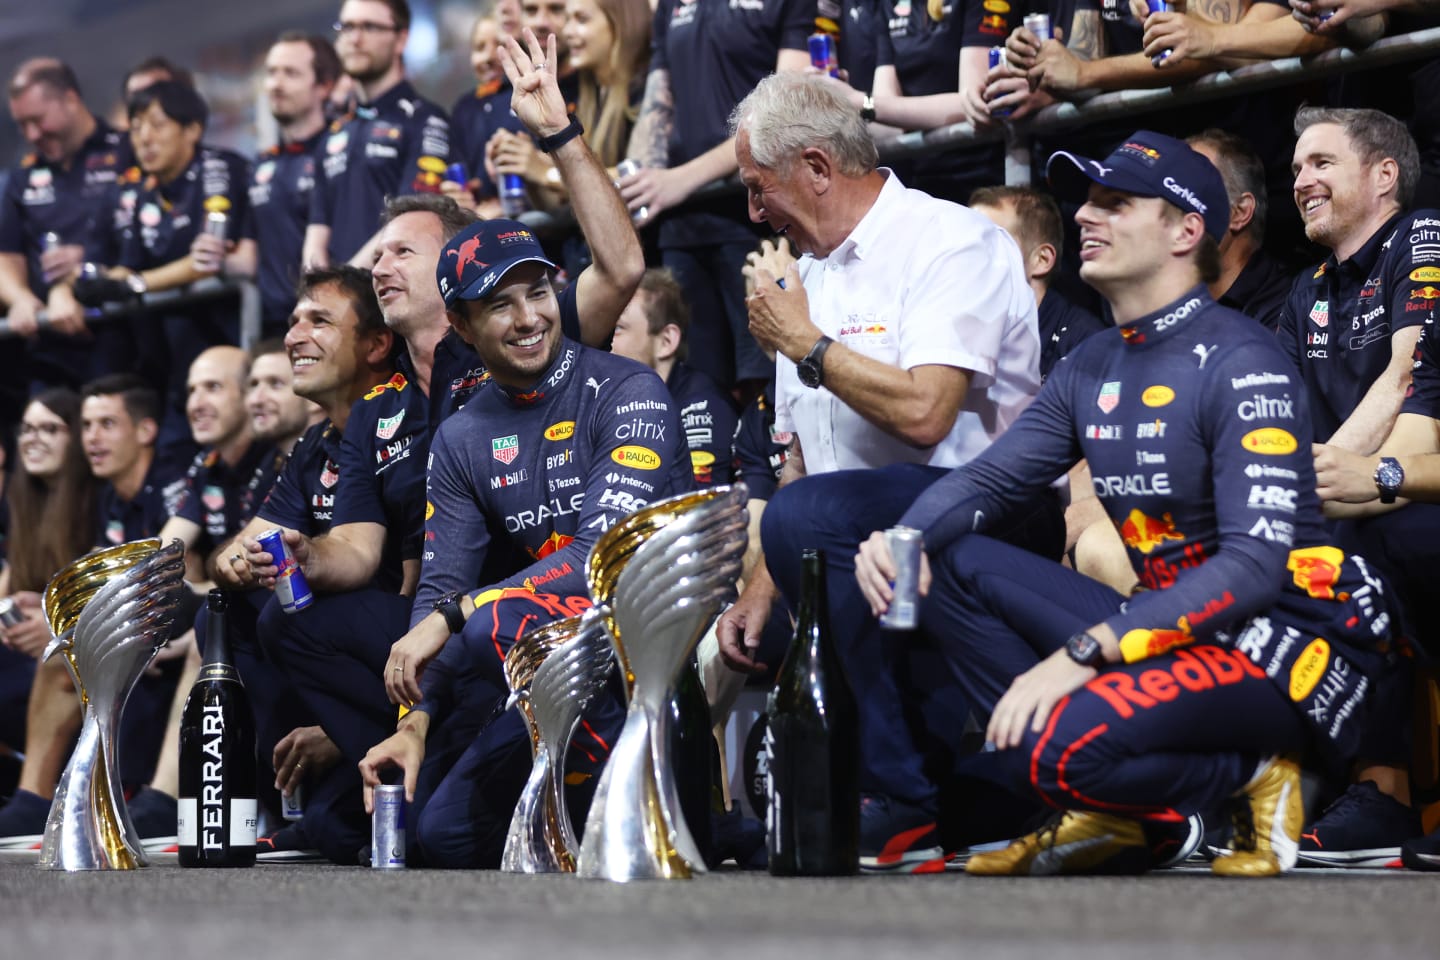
{"points": [[369, 29], [48, 429]]}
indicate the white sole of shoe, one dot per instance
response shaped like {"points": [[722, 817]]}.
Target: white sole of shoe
{"points": [[1376, 857]]}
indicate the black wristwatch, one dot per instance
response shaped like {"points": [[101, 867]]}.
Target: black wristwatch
{"points": [[448, 607], [1085, 650], [1388, 477], [555, 141], [811, 368], [867, 109]]}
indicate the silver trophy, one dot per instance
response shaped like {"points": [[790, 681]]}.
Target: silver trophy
{"points": [[541, 838], [110, 612], [664, 572]]}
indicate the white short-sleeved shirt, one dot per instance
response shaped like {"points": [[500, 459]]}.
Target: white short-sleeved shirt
{"points": [[918, 281]]}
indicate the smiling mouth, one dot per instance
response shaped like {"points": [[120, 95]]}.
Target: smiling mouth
{"points": [[530, 341], [1314, 203]]}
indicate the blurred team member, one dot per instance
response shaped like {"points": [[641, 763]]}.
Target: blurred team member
{"points": [[394, 143], [706, 56], [478, 114], [278, 415], [1255, 637], [908, 336], [1032, 218], [1251, 280], [300, 73], [60, 189], [652, 330], [54, 491], [148, 246], [1351, 327]]}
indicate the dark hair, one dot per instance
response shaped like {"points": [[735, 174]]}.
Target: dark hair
{"points": [[400, 10], [266, 347], [59, 514], [44, 71], [1037, 216], [325, 62], [157, 64], [665, 304], [177, 100], [453, 217], [1376, 136], [141, 400], [1242, 170], [355, 284], [1207, 251]]}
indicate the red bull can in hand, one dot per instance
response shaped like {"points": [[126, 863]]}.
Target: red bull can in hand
{"points": [[997, 57], [513, 201], [291, 588], [823, 55], [455, 173], [906, 546], [1159, 6], [1039, 24]]}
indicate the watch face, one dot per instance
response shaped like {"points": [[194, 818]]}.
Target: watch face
{"points": [[1083, 649], [1389, 474], [808, 372]]}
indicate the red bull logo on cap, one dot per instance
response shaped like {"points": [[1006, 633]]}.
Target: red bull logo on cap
{"points": [[466, 255], [1145, 533], [1316, 570]]}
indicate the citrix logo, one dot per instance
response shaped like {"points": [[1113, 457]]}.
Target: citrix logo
{"points": [[1184, 192]]}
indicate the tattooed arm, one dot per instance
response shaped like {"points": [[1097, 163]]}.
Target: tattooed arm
{"points": [[650, 139]]}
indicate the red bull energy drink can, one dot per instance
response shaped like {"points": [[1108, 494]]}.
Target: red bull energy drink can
{"points": [[291, 588], [456, 173], [997, 57], [1159, 6], [823, 55], [513, 201], [10, 614], [215, 224], [623, 169], [387, 828], [1039, 24], [906, 545]]}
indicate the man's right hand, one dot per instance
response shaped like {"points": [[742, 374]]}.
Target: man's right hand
{"points": [[738, 629], [66, 315], [460, 193], [261, 567], [404, 749], [22, 316]]}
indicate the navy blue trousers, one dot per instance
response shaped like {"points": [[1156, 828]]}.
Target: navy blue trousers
{"points": [[835, 512]]}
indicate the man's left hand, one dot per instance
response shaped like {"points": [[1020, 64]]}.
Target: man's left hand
{"points": [[536, 100], [1184, 36], [780, 316], [1033, 695], [409, 656], [1342, 475], [302, 751]]}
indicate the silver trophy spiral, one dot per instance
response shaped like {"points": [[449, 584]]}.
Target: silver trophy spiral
{"points": [[541, 838], [664, 572], [110, 612]]}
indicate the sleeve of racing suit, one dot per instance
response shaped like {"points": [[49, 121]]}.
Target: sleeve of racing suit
{"points": [[1248, 570], [456, 536]]}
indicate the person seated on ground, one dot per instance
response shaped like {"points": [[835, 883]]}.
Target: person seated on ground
{"points": [[651, 330], [1255, 637], [49, 505]]}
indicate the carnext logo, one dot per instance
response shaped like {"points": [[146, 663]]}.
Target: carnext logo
{"points": [[1180, 191]]}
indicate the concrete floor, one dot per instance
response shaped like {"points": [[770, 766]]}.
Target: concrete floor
{"points": [[321, 911]]}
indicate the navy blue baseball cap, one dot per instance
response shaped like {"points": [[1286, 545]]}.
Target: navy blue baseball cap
{"points": [[1148, 164], [474, 261]]}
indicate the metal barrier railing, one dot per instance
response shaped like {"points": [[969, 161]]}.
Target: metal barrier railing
{"points": [[201, 291]]}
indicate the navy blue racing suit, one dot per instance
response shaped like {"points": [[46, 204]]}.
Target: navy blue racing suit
{"points": [[1254, 634]]}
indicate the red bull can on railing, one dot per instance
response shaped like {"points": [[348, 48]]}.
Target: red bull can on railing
{"points": [[387, 828], [997, 57], [906, 546], [1159, 6], [291, 588], [1038, 24], [823, 55]]}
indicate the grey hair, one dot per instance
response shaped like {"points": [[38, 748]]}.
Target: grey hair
{"points": [[1376, 136], [789, 112], [1242, 170]]}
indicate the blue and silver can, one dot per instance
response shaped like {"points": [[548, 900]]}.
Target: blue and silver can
{"points": [[906, 545], [1159, 6], [513, 201], [997, 57], [1039, 24], [823, 55], [456, 173], [291, 588], [292, 804], [387, 828]]}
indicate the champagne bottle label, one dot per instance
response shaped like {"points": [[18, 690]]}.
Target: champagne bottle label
{"points": [[244, 821], [186, 832]]}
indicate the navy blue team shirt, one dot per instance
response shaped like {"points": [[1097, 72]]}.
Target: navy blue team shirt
{"points": [[303, 497], [708, 419], [214, 494], [280, 191], [759, 449]]}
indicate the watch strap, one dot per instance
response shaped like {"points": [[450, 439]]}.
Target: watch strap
{"points": [[557, 140], [867, 109], [448, 607]]}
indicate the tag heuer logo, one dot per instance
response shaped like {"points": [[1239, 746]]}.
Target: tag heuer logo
{"points": [[1320, 313], [506, 449], [1109, 397], [386, 426]]}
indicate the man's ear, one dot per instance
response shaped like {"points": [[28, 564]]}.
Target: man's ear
{"points": [[1041, 261], [1242, 212], [1387, 176], [819, 167], [146, 431], [668, 341]]}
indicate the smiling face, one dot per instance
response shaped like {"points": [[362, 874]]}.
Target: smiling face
{"points": [[326, 352], [114, 443], [164, 147], [485, 51], [1335, 189], [50, 122], [1123, 238], [588, 35], [779, 199], [275, 410], [404, 271], [545, 18], [214, 400], [44, 439], [516, 329]]}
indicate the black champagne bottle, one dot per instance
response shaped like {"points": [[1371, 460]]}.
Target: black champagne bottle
{"points": [[217, 808], [812, 746]]}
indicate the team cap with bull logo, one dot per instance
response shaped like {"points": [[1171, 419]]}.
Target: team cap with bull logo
{"points": [[474, 261], [1148, 164]]}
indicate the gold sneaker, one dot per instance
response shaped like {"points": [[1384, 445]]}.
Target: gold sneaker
{"points": [[1072, 842], [1268, 818]]}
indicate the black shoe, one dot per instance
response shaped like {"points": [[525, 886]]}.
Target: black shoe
{"points": [[1422, 853], [1363, 828], [287, 845], [22, 821], [155, 816], [1172, 844], [739, 838], [896, 837]]}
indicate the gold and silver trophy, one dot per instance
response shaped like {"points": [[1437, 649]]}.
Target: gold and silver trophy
{"points": [[110, 612]]}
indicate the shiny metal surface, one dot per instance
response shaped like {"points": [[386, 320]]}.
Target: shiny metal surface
{"points": [[111, 612], [664, 572], [541, 838]]}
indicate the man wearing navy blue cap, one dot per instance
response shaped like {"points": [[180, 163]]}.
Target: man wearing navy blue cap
{"points": [[1252, 635]]}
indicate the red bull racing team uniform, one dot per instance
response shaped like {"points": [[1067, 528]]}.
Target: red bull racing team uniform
{"points": [[1252, 634]]}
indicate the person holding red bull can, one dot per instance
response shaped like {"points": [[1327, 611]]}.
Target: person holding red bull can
{"points": [[1252, 636]]}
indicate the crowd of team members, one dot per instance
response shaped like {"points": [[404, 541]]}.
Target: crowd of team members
{"points": [[442, 433]]}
